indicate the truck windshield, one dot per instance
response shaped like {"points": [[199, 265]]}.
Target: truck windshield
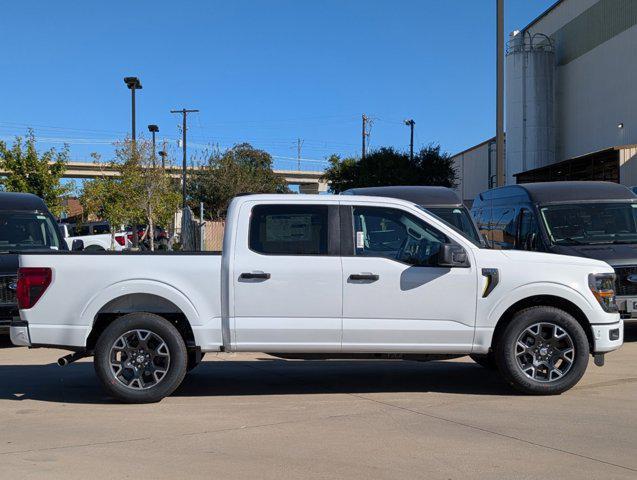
{"points": [[591, 223], [27, 231], [459, 219]]}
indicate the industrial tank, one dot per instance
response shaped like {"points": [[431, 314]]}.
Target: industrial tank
{"points": [[530, 114]]}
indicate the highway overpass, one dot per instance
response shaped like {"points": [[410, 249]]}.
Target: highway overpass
{"points": [[308, 181]]}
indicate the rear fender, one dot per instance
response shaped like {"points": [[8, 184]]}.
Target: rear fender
{"points": [[131, 287]]}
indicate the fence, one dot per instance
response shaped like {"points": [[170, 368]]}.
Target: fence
{"points": [[213, 235]]}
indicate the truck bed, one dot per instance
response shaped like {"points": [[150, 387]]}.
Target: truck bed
{"points": [[85, 285]]}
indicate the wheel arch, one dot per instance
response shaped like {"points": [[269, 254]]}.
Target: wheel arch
{"points": [[545, 300], [140, 296]]}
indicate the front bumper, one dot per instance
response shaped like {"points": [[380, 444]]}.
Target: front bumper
{"points": [[19, 332], [608, 336]]}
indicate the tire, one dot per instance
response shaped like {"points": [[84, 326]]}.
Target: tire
{"points": [[94, 248], [149, 354], [552, 354], [487, 360], [192, 360]]}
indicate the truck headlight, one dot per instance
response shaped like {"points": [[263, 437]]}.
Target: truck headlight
{"points": [[603, 287]]}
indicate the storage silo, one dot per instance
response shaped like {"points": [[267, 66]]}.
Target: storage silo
{"points": [[530, 114]]}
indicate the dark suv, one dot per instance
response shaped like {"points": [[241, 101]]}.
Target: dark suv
{"points": [[25, 225], [440, 201], [585, 219]]}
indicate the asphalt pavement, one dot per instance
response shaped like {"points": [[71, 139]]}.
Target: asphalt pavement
{"points": [[254, 416]]}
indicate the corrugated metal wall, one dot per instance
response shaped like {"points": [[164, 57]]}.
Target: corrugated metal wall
{"points": [[598, 24]]}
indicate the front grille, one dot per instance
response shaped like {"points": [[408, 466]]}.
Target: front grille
{"points": [[7, 289], [624, 287]]}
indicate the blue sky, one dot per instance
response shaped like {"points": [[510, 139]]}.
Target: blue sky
{"points": [[267, 72]]}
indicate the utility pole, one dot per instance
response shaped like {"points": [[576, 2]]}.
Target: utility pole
{"points": [[184, 112], [499, 121], [364, 149], [299, 144], [411, 124]]}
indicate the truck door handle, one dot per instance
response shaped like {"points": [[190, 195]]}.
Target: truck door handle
{"points": [[255, 276], [364, 276]]}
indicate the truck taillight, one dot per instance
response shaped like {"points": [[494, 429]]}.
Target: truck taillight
{"points": [[121, 239], [32, 283]]}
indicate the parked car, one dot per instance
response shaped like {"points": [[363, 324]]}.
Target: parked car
{"points": [[326, 276], [94, 236], [441, 201], [25, 225], [585, 219], [161, 237]]}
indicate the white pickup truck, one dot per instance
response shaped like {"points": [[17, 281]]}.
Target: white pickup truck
{"points": [[322, 277]]}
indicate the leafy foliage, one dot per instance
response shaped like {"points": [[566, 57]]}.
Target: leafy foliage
{"points": [[386, 166], [143, 193], [30, 172], [241, 169]]}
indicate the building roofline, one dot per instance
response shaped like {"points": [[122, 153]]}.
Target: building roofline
{"points": [[466, 150], [542, 15]]}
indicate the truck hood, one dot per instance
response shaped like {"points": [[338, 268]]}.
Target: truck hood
{"points": [[552, 258], [8, 264], [614, 254]]}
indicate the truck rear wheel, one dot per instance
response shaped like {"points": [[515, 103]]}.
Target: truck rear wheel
{"points": [[140, 358], [543, 351]]}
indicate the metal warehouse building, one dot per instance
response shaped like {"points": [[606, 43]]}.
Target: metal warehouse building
{"points": [[571, 100]]}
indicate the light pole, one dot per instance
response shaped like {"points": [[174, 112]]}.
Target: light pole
{"points": [[411, 124], [499, 103], [153, 129], [163, 154], [133, 84]]}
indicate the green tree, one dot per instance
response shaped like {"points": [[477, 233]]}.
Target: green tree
{"points": [[143, 192], [32, 172], [241, 169], [387, 166]]}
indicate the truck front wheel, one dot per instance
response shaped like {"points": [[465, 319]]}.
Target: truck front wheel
{"points": [[140, 358], [543, 351]]}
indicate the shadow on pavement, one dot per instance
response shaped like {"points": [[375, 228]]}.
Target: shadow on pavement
{"points": [[77, 383]]}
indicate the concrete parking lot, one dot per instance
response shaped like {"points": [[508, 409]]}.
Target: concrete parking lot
{"points": [[253, 416]]}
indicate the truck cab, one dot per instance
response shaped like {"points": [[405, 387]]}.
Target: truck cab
{"points": [[595, 220]]}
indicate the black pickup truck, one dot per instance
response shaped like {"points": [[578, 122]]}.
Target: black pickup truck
{"points": [[26, 225]]}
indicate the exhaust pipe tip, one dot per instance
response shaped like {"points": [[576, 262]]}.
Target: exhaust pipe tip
{"points": [[67, 359]]}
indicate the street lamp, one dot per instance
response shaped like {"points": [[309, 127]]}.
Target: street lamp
{"points": [[133, 84], [163, 154], [153, 129]]}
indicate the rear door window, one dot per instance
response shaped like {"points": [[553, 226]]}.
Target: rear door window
{"points": [[289, 229]]}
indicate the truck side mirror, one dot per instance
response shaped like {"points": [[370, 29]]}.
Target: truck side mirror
{"points": [[452, 255], [77, 245]]}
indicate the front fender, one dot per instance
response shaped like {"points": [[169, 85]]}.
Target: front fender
{"points": [[486, 323], [141, 286], [533, 290]]}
